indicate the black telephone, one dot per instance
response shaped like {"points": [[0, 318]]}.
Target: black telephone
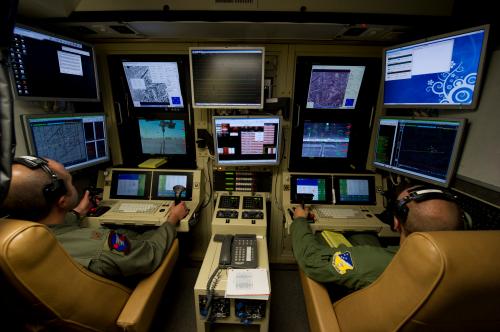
{"points": [[239, 251]]}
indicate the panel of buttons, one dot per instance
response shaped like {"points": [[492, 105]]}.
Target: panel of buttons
{"points": [[229, 202], [253, 202], [232, 214], [252, 215]]}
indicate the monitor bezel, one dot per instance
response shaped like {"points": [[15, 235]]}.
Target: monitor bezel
{"points": [[156, 179], [114, 185], [372, 200], [183, 84], [479, 78], [226, 105], [75, 99], [328, 188], [454, 158], [30, 144], [249, 163]]}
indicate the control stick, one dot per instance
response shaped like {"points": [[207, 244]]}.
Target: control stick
{"points": [[178, 189]]}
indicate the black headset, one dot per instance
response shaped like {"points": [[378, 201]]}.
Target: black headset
{"points": [[420, 194], [51, 191]]}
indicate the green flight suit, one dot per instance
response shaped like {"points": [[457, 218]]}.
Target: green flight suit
{"points": [[352, 267], [141, 255]]}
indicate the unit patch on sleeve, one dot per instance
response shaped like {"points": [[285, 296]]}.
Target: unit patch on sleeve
{"points": [[118, 243], [342, 262]]}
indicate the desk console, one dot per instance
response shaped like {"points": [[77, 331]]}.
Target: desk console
{"points": [[142, 197], [342, 202]]}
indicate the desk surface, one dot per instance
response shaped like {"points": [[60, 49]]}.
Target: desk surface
{"points": [[367, 222]]}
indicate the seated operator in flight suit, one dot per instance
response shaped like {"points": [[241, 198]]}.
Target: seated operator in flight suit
{"points": [[418, 209], [42, 191]]}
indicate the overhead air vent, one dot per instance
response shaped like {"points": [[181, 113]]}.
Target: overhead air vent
{"points": [[236, 1], [123, 29], [82, 30], [234, 4]]}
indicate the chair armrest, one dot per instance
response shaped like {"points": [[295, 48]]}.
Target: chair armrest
{"points": [[319, 306], [141, 306]]}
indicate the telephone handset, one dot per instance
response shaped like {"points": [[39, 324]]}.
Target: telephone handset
{"points": [[225, 251], [239, 251]]}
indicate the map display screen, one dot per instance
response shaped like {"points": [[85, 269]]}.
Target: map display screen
{"points": [[76, 141], [153, 84], [334, 87]]}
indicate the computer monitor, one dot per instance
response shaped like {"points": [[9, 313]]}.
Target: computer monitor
{"points": [[422, 148], [354, 190], [130, 185], [318, 185], [153, 84], [164, 182], [439, 72], [326, 139], [45, 66], [247, 141], [334, 87], [227, 77], [75, 140], [162, 136]]}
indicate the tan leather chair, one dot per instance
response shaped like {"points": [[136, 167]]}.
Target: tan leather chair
{"points": [[439, 281], [59, 294]]}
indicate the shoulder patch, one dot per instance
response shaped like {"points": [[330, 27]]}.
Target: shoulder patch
{"points": [[342, 262], [118, 243]]}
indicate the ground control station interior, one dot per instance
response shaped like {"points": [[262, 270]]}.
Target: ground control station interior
{"points": [[245, 111]]}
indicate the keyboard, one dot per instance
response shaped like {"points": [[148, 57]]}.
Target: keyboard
{"points": [[137, 207], [338, 213]]}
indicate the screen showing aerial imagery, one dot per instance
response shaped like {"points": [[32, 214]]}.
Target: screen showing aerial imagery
{"points": [[163, 137], [334, 87], [153, 84]]}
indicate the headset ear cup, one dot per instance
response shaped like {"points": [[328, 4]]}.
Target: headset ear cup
{"points": [[54, 190]]}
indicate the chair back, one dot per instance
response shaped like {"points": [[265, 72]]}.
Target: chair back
{"points": [[438, 281], [58, 292]]}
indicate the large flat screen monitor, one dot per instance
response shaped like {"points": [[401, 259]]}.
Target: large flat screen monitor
{"points": [[153, 84], [334, 87], [162, 137], [438, 72], [422, 148], [49, 67], [75, 140], [227, 77], [247, 141]]}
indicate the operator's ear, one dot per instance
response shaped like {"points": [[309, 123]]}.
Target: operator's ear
{"points": [[397, 226], [62, 201]]}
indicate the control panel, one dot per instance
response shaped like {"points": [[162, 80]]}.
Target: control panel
{"points": [[229, 202], [242, 181], [240, 213], [253, 202]]}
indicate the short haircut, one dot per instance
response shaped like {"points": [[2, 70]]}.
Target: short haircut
{"points": [[433, 215], [25, 198]]}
